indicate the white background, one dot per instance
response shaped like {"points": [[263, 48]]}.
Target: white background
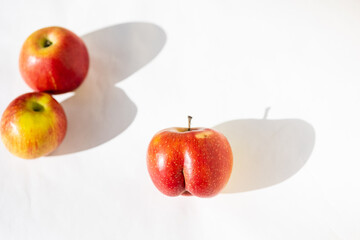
{"points": [[279, 78]]}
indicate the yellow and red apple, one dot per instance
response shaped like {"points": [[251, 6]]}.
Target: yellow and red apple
{"points": [[33, 125], [189, 161], [54, 60]]}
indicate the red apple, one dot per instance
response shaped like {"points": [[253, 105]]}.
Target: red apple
{"points": [[54, 60], [189, 161], [33, 125]]}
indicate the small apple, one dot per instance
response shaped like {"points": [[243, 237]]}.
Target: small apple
{"points": [[189, 161], [54, 60], [33, 125]]}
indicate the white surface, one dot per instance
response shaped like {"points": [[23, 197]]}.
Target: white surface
{"points": [[224, 63]]}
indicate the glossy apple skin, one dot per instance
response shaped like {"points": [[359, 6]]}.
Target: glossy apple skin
{"points": [[58, 68], [196, 162], [33, 125]]}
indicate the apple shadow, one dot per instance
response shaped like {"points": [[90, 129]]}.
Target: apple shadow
{"points": [[266, 152], [99, 111]]}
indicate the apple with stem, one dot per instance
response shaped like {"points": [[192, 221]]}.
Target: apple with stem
{"points": [[54, 60], [189, 161], [33, 125]]}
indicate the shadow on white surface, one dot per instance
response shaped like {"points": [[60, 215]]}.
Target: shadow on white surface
{"points": [[99, 111], [266, 152]]}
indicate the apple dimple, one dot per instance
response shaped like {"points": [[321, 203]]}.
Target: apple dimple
{"points": [[36, 107], [44, 41], [47, 43]]}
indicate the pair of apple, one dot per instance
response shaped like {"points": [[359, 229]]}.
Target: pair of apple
{"points": [[53, 60]]}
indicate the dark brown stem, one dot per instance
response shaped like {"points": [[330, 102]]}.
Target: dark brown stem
{"points": [[189, 122]]}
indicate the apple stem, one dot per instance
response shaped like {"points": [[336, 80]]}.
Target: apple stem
{"points": [[189, 122]]}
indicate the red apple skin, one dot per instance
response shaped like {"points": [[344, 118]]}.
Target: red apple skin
{"points": [[196, 162], [33, 125], [58, 68]]}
